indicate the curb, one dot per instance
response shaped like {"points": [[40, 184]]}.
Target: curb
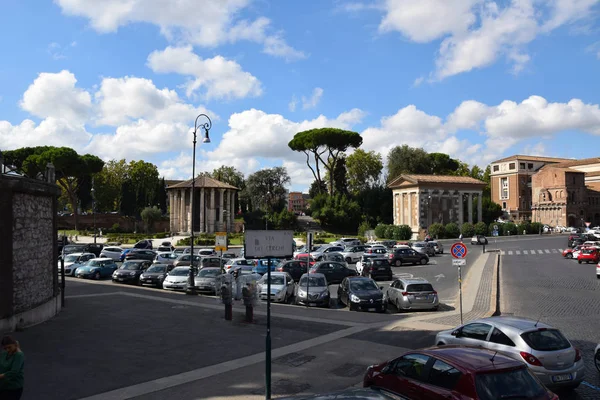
{"points": [[495, 300]]}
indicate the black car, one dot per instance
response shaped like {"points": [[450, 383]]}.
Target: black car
{"points": [[479, 239], [130, 271], [184, 260], [293, 267], [155, 275], [94, 248], [212, 262], [360, 293], [143, 244], [334, 272], [140, 254], [378, 268], [407, 256]]}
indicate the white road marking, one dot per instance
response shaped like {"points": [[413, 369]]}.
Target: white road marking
{"points": [[547, 251], [80, 296], [518, 252], [540, 252], [510, 253], [560, 250], [502, 252], [554, 251], [525, 252]]}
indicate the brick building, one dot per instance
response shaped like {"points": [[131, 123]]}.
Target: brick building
{"points": [[296, 202]]}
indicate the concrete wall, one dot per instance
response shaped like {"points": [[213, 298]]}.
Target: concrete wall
{"points": [[28, 251]]}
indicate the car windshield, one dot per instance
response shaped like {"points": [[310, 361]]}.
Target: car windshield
{"points": [[94, 263], [516, 384], [419, 287], [588, 251], [546, 340], [157, 269], [71, 258], [380, 263], [130, 266], [209, 273], [312, 281], [72, 249], [273, 262], [169, 256], [363, 284], [276, 280], [179, 272], [418, 245]]}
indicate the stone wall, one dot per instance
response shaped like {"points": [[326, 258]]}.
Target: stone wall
{"points": [[29, 286]]}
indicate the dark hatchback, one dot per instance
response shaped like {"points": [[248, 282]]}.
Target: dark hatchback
{"points": [[403, 256], [334, 272], [360, 293], [376, 268], [130, 271], [140, 254], [293, 267], [155, 275], [456, 372]]}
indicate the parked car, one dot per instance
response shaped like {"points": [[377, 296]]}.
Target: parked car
{"points": [[438, 247], [376, 268], [353, 253], [209, 280], [412, 294], [166, 257], [184, 260], [312, 290], [231, 263], [130, 271], [282, 287], [318, 254], [479, 239], [124, 254], [589, 254], [424, 248], [143, 244], [112, 252], [364, 259], [73, 248], [212, 262], [568, 253], [351, 394], [456, 372], [334, 256], [334, 272], [407, 256], [360, 293], [242, 270], [344, 242], [228, 255], [261, 265], [548, 354], [154, 275], [597, 357], [207, 252], [74, 260], [295, 268], [376, 249], [598, 270], [166, 246], [305, 257], [179, 251], [177, 279], [140, 254], [96, 268], [95, 248]]}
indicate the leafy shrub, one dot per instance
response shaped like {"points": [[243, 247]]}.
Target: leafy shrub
{"points": [[452, 230], [535, 227], [509, 228], [380, 230], [403, 232], [481, 228], [523, 227], [437, 231], [467, 229], [389, 232], [363, 228]]}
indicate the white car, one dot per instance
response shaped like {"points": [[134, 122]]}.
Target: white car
{"points": [[353, 253], [206, 252], [360, 263], [282, 287], [232, 263], [165, 257], [74, 260], [177, 279], [343, 242], [111, 252]]}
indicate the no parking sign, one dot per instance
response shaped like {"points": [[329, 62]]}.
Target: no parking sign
{"points": [[458, 250]]}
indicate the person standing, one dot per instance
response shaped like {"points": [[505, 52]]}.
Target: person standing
{"points": [[12, 369]]}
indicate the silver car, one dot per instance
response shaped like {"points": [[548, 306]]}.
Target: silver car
{"points": [[318, 254], [353, 253], [334, 256], [282, 287], [209, 280], [437, 246], [424, 248], [412, 294], [312, 290], [548, 354]]}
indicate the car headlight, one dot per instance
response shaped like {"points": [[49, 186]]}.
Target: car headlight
{"points": [[301, 293], [325, 293], [132, 273], [354, 298]]}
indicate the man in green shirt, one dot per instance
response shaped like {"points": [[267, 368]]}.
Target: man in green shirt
{"points": [[12, 365]]}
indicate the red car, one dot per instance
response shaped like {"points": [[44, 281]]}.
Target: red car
{"points": [[568, 253], [304, 256], [589, 254], [457, 372]]}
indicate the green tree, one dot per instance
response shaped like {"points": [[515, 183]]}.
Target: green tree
{"points": [[487, 178], [363, 170], [162, 196], [476, 172], [150, 215], [481, 228], [467, 229], [452, 230], [127, 200], [436, 230], [462, 170], [326, 146], [407, 160], [364, 227], [72, 169], [490, 211], [267, 188], [144, 180], [316, 188], [108, 184], [442, 164], [235, 178], [340, 179], [508, 228], [339, 212], [376, 203], [404, 232], [380, 230]]}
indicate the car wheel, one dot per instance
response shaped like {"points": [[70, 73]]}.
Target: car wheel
{"points": [[423, 261], [97, 276], [371, 276], [579, 261], [597, 360], [398, 263], [348, 260], [441, 344], [398, 306], [569, 255]]}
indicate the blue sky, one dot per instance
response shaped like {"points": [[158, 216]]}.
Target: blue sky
{"points": [[478, 79]]}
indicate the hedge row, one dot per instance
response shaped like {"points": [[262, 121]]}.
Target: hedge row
{"points": [[452, 230], [394, 232], [206, 240]]}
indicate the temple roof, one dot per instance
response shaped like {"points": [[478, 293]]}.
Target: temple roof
{"points": [[202, 181]]}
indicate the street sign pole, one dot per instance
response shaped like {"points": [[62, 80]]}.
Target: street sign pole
{"points": [[460, 293], [268, 339], [459, 252], [309, 240]]}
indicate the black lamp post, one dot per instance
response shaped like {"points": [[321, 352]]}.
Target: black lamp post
{"points": [[94, 208], [191, 286]]}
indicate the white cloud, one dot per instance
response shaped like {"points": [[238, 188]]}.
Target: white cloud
{"points": [[205, 23], [218, 77], [418, 81], [55, 95], [475, 33], [293, 103], [50, 132], [313, 100]]}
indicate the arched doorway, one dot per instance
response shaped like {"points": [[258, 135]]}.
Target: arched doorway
{"points": [[572, 221]]}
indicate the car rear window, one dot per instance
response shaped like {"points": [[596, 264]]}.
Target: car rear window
{"points": [[546, 340], [419, 287], [516, 383]]}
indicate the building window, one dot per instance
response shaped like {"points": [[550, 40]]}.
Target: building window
{"points": [[530, 166], [504, 188], [504, 205], [522, 165], [496, 168], [512, 165], [522, 192]]}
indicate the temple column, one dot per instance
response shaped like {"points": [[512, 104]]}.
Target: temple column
{"points": [[479, 207], [202, 227], [460, 209], [402, 219], [211, 220], [231, 215], [221, 205], [395, 208], [470, 208], [410, 213], [171, 213]]}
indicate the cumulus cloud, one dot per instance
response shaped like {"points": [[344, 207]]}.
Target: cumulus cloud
{"points": [[313, 100], [293, 103], [55, 95], [205, 23], [218, 77], [475, 33], [49, 132]]}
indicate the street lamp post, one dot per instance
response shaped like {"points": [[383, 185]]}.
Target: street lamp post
{"points": [[191, 286], [94, 208]]}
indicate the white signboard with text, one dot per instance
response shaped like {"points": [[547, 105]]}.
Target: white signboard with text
{"points": [[260, 244]]}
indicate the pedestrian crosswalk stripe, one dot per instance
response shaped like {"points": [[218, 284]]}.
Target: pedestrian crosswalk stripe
{"points": [[529, 252], [525, 252], [540, 252], [502, 252], [554, 251], [518, 252], [532, 251], [510, 252], [547, 251], [560, 250]]}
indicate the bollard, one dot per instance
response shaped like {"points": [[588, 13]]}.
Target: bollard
{"points": [[247, 297], [226, 297], [484, 248]]}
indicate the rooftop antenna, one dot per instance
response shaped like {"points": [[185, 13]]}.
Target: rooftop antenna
{"points": [[538, 321], [492, 359]]}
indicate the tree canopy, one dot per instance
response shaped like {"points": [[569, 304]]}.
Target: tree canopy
{"points": [[326, 146], [363, 170], [267, 188], [235, 178], [409, 160]]}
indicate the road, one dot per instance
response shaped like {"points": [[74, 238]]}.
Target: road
{"points": [[537, 282]]}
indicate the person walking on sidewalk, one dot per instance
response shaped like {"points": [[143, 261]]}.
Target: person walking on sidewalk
{"points": [[12, 365]]}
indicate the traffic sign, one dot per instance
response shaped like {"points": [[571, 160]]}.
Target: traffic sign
{"points": [[495, 227], [458, 250], [459, 262], [221, 241]]}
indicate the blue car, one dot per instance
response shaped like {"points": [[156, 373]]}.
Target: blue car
{"points": [[261, 266], [124, 253], [96, 268]]}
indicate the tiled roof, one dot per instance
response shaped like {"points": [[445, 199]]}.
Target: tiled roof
{"points": [[576, 163], [532, 158], [417, 179], [203, 181], [595, 173], [172, 182]]}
